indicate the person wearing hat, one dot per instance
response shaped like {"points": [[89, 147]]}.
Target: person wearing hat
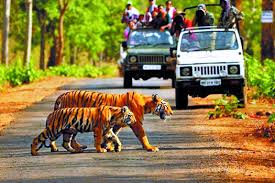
{"points": [[203, 17], [230, 15]]}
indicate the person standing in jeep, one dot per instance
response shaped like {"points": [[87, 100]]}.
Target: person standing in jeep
{"points": [[203, 17], [163, 20], [180, 22], [230, 15], [170, 9]]}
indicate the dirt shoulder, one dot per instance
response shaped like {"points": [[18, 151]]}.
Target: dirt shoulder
{"points": [[15, 99], [245, 155]]}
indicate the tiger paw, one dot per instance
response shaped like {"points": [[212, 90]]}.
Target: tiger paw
{"points": [[78, 146], [110, 149], [34, 153], [101, 150], [118, 148], [152, 149], [54, 150]]}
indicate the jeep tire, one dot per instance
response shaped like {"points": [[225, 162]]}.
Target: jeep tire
{"points": [[181, 98], [241, 95], [128, 82], [173, 82]]}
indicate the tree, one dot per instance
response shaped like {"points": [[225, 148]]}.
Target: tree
{"points": [[86, 22], [62, 5], [27, 53], [42, 21], [5, 41]]}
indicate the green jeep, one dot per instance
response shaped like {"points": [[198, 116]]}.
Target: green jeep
{"points": [[148, 55]]}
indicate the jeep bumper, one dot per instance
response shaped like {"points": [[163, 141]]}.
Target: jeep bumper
{"points": [[137, 71], [227, 86]]}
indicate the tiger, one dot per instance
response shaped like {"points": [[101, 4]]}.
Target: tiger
{"points": [[69, 121], [138, 103]]}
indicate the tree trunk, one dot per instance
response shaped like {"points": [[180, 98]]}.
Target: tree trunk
{"points": [[73, 52], [42, 46], [5, 36], [27, 54], [268, 32], [52, 57], [60, 42], [41, 16]]}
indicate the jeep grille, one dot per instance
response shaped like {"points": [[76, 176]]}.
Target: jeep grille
{"points": [[151, 59], [210, 70]]}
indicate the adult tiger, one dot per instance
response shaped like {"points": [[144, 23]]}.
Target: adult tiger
{"points": [[139, 104], [69, 121]]}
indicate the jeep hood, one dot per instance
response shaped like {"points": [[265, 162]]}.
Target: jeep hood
{"points": [[208, 57], [149, 51]]}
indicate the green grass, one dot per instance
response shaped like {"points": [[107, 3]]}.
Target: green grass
{"points": [[17, 75]]}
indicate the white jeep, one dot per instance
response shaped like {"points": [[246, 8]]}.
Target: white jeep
{"points": [[210, 60]]}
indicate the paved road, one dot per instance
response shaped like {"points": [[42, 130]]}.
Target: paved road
{"points": [[185, 153]]}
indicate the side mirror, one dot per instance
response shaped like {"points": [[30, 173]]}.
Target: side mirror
{"points": [[173, 52], [124, 44]]}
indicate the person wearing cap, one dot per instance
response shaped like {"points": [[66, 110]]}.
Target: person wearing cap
{"points": [[170, 9], [180, 22], [130, 14], [230, 15], [203, 17]]}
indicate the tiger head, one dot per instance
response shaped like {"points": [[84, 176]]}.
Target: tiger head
{"points": [[128, 116], [162, 108]]}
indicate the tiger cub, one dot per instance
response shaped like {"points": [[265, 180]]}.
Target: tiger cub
{"points": [[69, 121]]}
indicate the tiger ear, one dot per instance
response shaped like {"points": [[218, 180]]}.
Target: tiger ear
{"points": [[155, 97], [124, 109]]}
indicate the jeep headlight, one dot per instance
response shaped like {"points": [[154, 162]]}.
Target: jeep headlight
{"points": [[133, 59], [233, 69], [186, 71]]}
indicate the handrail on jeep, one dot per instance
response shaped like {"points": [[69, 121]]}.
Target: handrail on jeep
{"points": [[204, 27], [192, 7]]}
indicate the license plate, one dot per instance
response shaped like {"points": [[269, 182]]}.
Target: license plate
{"points": [[151, 67], [211, 82]]}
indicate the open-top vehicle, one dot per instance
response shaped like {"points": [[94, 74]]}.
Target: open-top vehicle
{"points": [[209, 61], [148, 55]]}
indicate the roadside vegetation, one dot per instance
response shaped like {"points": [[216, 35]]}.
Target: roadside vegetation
{"points": [[16, 74], [261, 77]]}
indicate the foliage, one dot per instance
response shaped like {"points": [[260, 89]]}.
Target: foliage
{"points": [[94, 26], [17, 75], [226, 108], [271, 118], [262, 77], [75, 71]]}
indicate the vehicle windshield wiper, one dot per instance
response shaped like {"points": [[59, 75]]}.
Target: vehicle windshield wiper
{"points": [[202, 49], [161, 44], [138, 45]]}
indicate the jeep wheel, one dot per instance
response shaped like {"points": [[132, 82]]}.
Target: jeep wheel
{"points": [[173, 82], [241, 95], [181, 98], [128, 82]]}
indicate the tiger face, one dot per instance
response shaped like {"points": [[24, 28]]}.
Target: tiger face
{"points": [[163, 108], [128, 116]]}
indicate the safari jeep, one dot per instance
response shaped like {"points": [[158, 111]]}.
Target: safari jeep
{"points": [[209, 61], [148, 55]]}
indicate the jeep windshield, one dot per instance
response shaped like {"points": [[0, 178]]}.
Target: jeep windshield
{"points": [[208, 41], [150, 38]]}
